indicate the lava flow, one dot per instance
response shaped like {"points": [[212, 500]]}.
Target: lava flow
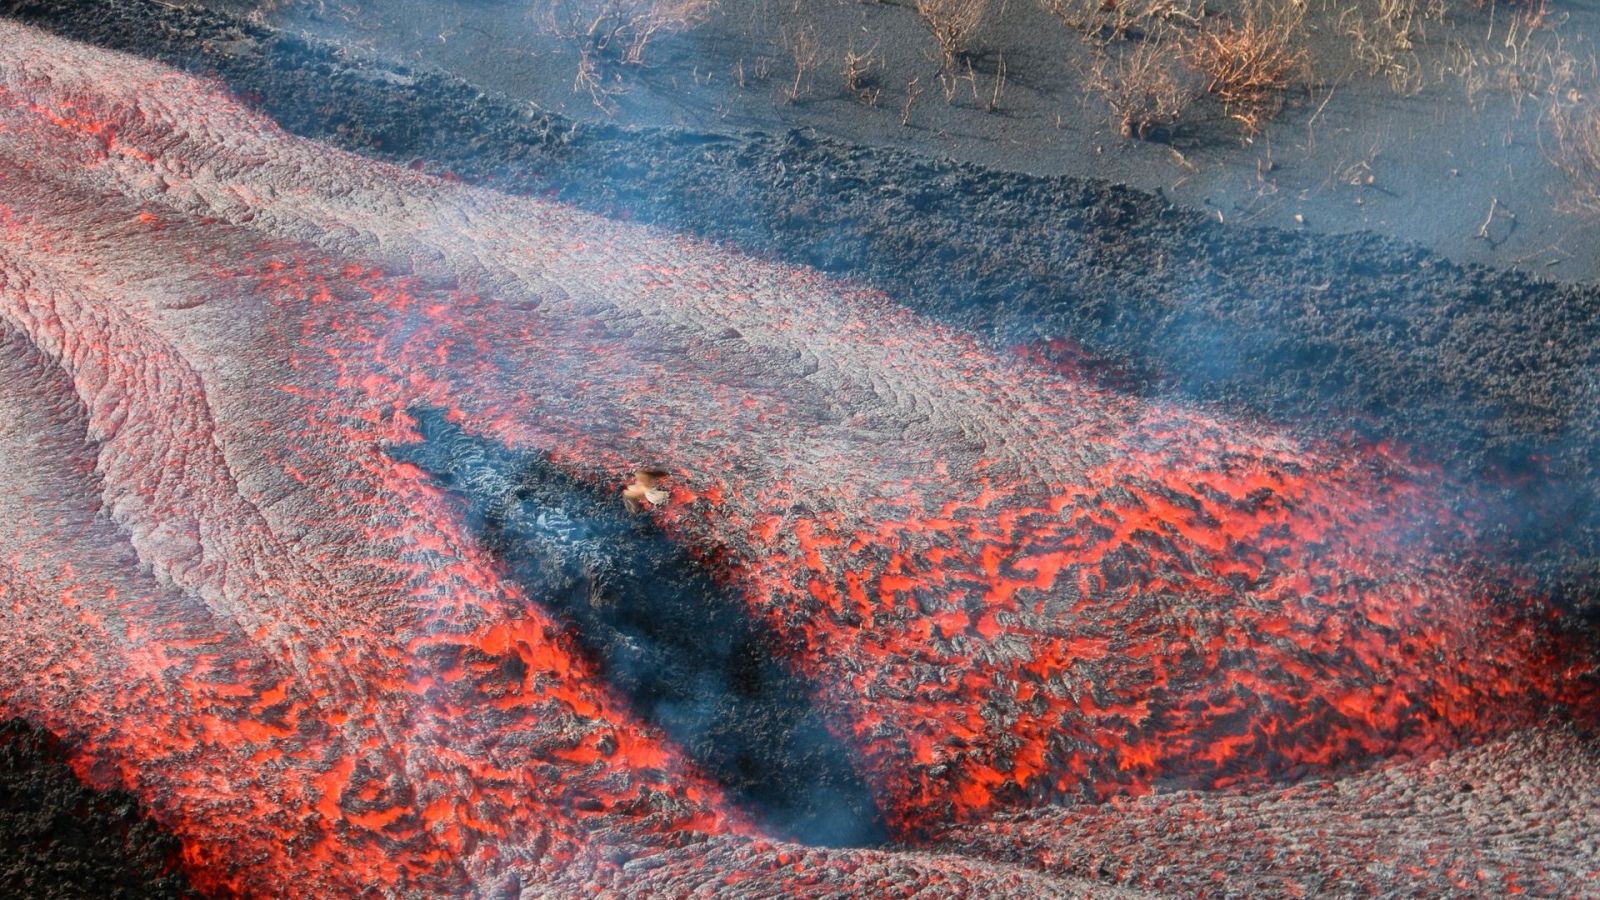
{"points": [[227, 589]]}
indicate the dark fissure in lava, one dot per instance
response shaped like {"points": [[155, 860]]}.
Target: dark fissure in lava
{"points": [[682, 648]]}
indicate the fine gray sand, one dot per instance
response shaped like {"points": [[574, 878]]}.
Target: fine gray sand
{"points": [[1464, 135]]}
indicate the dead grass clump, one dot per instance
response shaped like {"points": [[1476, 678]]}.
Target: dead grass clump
{"points": [[913, 92], [1574, 148], [804, 52], [861, 70], [621, 29], [1104, 21], [953, 24], [992, 104], [1520, 57], [1384, 35], [1249, 60], [588, 77], [1147, 87]]}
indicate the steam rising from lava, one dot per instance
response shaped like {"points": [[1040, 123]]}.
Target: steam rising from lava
{"points": [[1009, 588]]}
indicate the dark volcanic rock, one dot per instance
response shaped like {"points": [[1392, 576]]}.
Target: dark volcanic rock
{"points": [[61, 839]]}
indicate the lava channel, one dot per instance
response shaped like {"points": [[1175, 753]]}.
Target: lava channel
{"points": [[1004, 589]]}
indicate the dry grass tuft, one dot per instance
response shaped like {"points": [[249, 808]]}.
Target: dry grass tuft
{"points": [[804, 51], [1147, 87], [913, 92], [621, 29], [1518, 56], [1572, 123], [861, 70], [1384, 35], [1104, 21], [953, 24], [1575, 150], [1249, 60]]}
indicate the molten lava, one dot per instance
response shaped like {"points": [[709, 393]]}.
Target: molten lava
{"points": [[1013, 589]]}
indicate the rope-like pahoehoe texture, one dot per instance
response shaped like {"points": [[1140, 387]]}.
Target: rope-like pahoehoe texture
{"points": [[1492, 371], [1013, 591]]}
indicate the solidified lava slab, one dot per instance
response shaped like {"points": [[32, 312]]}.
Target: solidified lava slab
{"points": [[672, 639], [62, 839], [1013, 591]]}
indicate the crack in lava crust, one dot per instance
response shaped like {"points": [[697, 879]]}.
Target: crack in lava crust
{"points": [[1014, 588]]}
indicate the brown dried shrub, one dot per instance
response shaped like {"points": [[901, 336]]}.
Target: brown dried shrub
{"points": [[1106, 20], [1248, 60], [621, 29], [860, 70], [1574, 148], [804, 50], [1383, 36], [1147, 87], [953, 23]]}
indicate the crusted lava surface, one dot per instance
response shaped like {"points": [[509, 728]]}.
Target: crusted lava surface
{"points": [[1494, 372], [283, 423]]}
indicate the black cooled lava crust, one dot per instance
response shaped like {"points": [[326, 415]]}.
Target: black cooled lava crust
{"points": [[59, 838], [679, 646]]}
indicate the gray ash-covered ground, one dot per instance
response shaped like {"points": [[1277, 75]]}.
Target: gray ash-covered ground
{"points": [[62, 839]]}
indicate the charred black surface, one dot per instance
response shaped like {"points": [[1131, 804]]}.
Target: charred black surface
{"points": [[1494, 374], [681, 648], [61, 839]]}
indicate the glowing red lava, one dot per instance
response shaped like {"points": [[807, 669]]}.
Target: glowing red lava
{"points": [[1017, 590]]}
